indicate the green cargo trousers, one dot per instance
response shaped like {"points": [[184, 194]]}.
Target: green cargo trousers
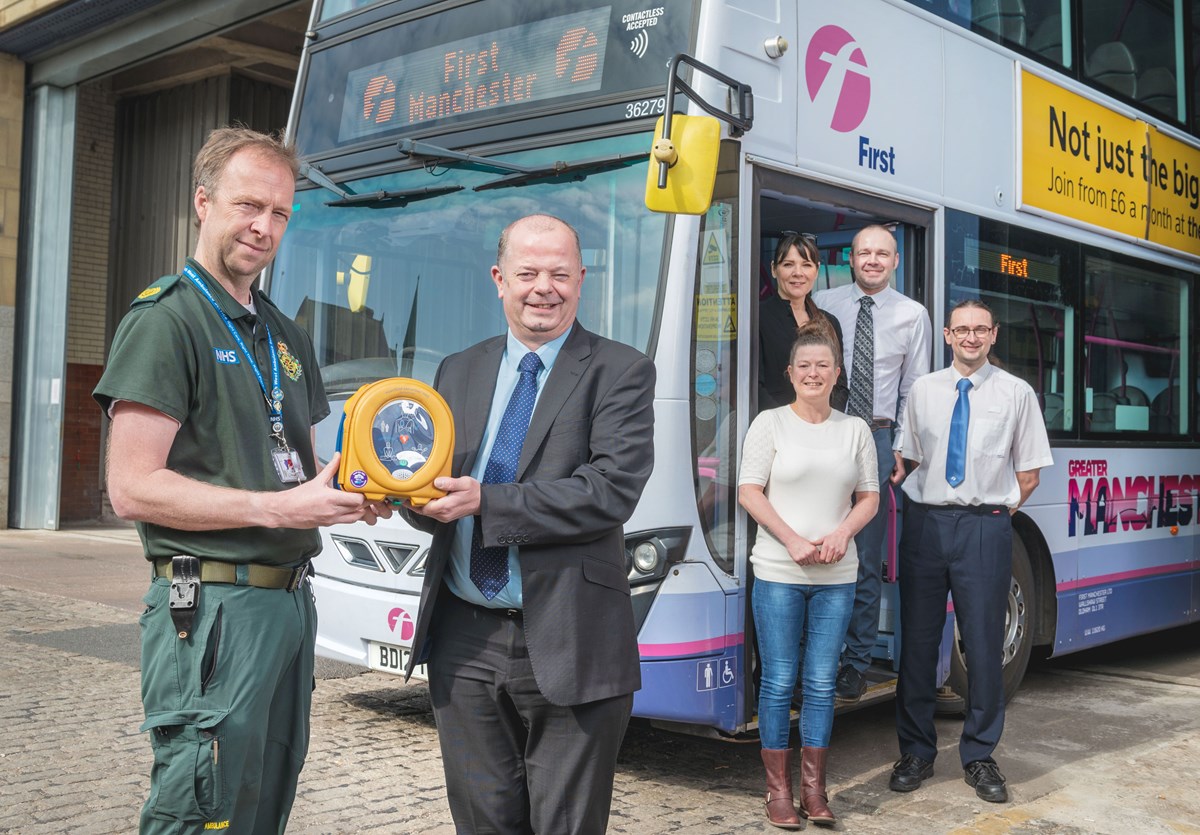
{"points": [[227, 708]]}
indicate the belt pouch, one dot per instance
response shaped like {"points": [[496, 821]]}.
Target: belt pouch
{"points": [[185, 593]]}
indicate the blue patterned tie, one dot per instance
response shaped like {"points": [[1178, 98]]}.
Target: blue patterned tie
{"points": [[489, 566], [956, 454], [862, 364]]}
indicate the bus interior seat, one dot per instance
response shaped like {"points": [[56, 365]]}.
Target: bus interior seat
{"points": [[1130, 396], [1103, 417], [1053, 411], [1113, 66], [1156, 90], [1005, 18], [1164, 411], [1046, 39]]}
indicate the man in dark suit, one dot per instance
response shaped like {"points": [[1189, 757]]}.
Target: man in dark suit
{"points": [[525, 617]]}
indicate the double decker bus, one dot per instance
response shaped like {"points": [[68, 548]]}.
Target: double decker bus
{"points": [[1017, 151]]}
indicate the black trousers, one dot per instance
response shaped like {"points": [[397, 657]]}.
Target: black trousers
{"points": [[966, 551], [514, 762]]}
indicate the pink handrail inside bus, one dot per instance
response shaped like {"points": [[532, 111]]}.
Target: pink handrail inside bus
{"points": [[1135, 346], [892, 559]]}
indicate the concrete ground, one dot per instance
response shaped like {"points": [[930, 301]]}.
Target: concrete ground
{"points": [[1106, 741]]}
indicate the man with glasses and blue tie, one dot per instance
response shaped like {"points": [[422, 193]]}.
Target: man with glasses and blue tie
{"points": [[525, 617], [973, 440]]}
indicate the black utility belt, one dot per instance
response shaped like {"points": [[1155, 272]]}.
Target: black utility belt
{"points": [[187, 574]]}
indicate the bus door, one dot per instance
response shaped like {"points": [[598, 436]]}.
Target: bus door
{"points": [[786, 204]]}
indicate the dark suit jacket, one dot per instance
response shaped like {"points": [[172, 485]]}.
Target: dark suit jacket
{"points": [[587, 455], [776, 333]]}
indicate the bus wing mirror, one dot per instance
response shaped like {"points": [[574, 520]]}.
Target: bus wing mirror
{"points": [[684, 168], [691, 154]]}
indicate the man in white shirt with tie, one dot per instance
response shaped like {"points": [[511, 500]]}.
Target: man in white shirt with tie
{"points": [[886, 348], [976, 438]]}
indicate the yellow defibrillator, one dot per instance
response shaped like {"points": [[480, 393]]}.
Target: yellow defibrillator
{"points": [[397, 436]]}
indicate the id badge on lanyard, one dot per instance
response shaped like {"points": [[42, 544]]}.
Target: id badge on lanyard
{"points": [[287, 462]]}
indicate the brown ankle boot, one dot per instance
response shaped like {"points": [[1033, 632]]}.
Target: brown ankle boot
{"points": [[814, 804], [780, 811]]}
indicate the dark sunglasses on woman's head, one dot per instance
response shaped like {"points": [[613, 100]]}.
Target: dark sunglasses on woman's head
{"points": [[788, 233]]}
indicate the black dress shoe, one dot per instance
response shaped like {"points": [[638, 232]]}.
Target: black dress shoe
{"points": [[850, 684], [909, 773], [985, 776]]}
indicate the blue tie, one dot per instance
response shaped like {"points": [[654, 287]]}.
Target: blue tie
{"points": [[489, 566], [956, 454]]}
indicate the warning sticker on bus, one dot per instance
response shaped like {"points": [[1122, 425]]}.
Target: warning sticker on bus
{"points": [[716, 317]]}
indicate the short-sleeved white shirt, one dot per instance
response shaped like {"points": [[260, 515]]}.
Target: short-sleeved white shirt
{"points": [[1005, 435], [809, 472]]}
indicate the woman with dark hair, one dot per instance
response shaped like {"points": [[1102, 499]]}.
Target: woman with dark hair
{"points": [[802, 464], [794, 268]]}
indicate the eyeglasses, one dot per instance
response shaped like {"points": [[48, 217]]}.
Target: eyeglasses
{"points": [[789, 233], [980, 331]]}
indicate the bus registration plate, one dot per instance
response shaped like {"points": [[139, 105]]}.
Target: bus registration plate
{"points": [[387, 658]]}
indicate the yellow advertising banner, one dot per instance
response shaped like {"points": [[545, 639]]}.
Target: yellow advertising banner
{"points": [[1175, 196], [1086, 162]]}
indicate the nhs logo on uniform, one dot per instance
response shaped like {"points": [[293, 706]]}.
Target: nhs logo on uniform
{"points": [[226, 355]]}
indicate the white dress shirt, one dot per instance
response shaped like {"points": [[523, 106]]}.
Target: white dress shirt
{"points": [[1005, 435], [902, 343]]}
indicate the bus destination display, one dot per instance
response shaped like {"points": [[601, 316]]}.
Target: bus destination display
{"points": [[548, 59]]}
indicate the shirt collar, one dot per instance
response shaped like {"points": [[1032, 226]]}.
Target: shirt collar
{"points": [[230, 306], [548, 353], [880, 298], [979, 377]]}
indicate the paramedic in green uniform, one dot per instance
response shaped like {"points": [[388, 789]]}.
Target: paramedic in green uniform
{"points": [[213, 394]]}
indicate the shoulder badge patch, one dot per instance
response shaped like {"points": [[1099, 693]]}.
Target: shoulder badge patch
{"points": [[291, 365], [155, 291]]}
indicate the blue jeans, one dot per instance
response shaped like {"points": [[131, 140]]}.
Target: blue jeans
{"points": [[864, 623], [784, 614]]}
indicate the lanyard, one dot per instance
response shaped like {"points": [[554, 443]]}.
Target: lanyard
{"points": [[274, 398]]}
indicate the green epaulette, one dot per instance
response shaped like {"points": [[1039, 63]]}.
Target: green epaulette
{"points": [[156, 290]]}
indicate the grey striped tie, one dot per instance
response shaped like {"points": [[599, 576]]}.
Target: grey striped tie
{"points": [[862, 367]]}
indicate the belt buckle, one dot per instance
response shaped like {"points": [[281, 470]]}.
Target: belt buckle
{"points": [[298, 575]]}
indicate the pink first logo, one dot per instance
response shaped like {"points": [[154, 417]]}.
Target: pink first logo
{"points": [[834, 56], [399, 617]]}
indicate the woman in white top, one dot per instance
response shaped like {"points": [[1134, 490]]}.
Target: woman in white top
{"points": [[801, 466]]}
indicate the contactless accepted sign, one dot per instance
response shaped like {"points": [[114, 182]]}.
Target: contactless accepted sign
{"points": [[1083, 161]]}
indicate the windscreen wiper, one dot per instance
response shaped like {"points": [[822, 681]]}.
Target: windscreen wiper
{"points": [[565, 172], [317, 177], [388, 199], [437, 155]]}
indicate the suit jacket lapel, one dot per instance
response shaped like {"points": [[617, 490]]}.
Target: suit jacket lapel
{"points": [[572, 361], [481, 387]]}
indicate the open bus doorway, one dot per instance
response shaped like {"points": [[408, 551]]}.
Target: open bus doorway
{"points": [[834, 217]]}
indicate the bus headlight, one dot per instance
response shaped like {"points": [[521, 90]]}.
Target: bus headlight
{"points": [[648, 553], [646, 556]]}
